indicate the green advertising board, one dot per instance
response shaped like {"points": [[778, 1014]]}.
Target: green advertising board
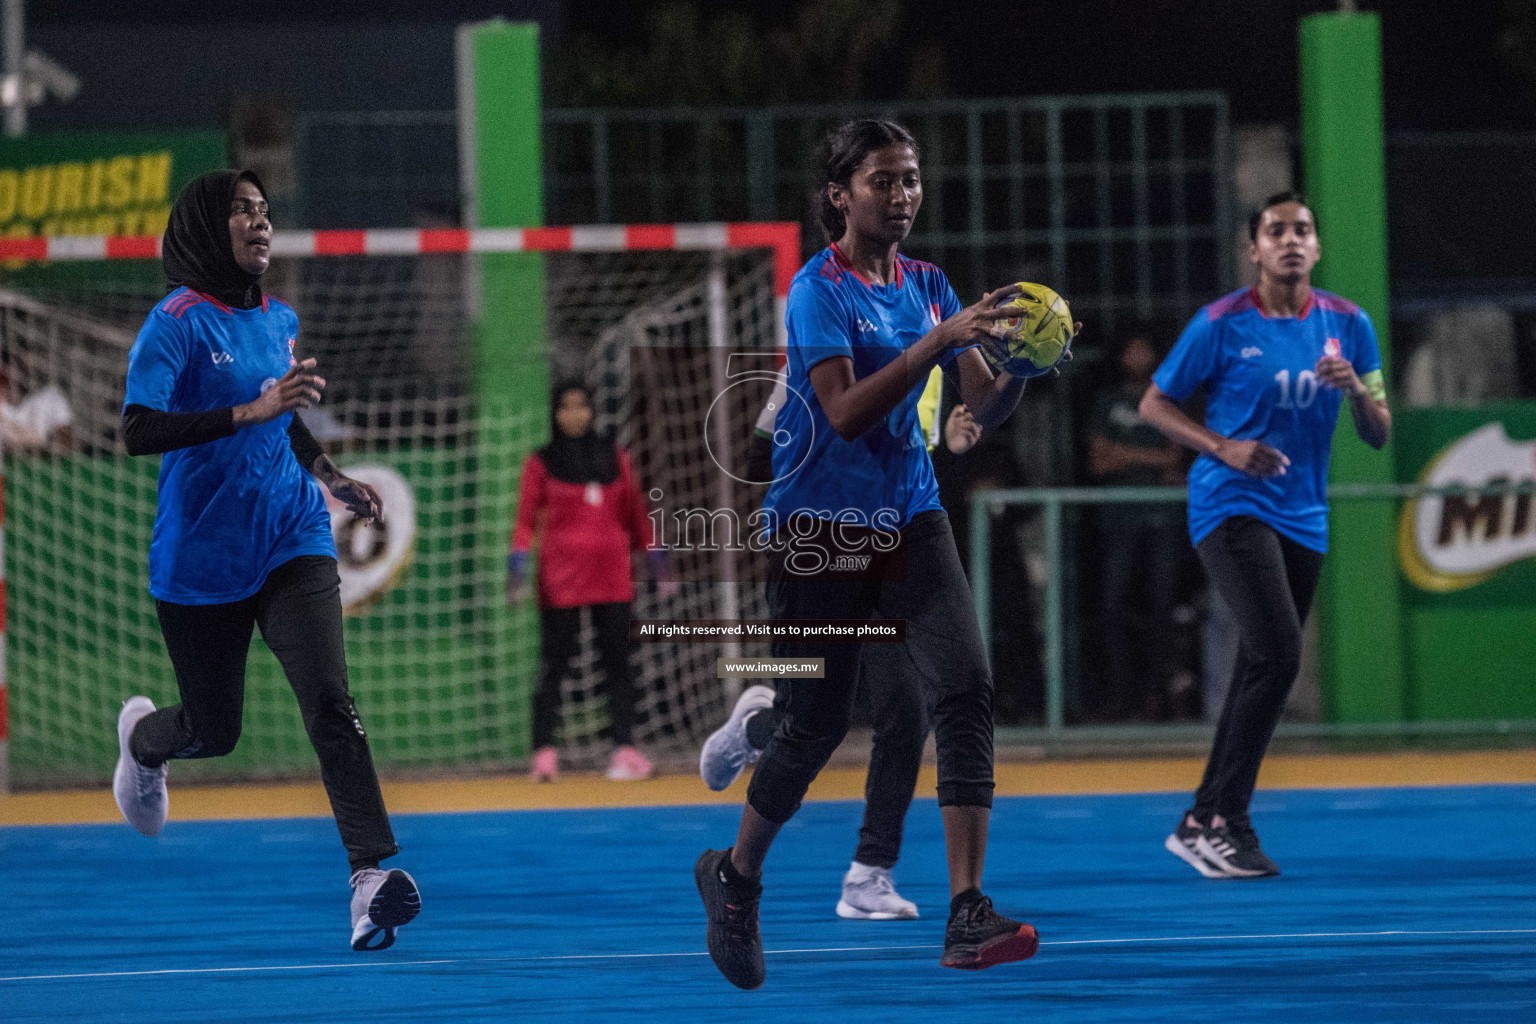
{"points": [[99, 184], [1468, 563]]}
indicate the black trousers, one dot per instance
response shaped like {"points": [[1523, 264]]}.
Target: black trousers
{"points": [[888, 677], [1268, 581], [920, 582], [559, 640], [299, 611]]}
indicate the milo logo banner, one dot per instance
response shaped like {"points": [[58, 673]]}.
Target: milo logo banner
{"points": [[99, 184], [1477, 540]]}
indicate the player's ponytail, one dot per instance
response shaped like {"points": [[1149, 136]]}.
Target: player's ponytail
{"points": [[844, 150]]}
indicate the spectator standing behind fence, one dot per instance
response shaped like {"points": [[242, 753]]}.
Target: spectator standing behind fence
{"points": [[593, 516], [1140, 543]]}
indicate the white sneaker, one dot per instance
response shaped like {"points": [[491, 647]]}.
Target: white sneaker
{"points": [[727, 751], [870, 895], [140, 792], [381, 902]]}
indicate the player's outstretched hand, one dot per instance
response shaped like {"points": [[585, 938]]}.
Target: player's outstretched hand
{"points": [[961, 431], [299, 388], [975, 323], [361, 499], [1252, 457]]}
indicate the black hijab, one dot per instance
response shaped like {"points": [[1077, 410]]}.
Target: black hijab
{"points": [[590, 458], [197, 251]]}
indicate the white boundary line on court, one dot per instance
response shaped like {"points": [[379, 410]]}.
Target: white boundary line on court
{"points": [[770, 952]]}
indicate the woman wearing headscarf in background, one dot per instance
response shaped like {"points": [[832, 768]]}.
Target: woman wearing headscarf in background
{"points": [[242, 536], [593, 518]]}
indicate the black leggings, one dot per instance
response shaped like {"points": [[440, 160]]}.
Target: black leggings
{"points": [[299, 611], [1268, 581], [896, 755], [559, 639], [920, 582]]}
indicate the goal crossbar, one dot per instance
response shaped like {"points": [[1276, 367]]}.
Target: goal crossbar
{"points": [[782, 237]]}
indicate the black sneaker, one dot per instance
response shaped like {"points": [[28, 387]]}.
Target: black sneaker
{"points": [[1234, 848], [1184, 844], [735, 944], [978, 936]]}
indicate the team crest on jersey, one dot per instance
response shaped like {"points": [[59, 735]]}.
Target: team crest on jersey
{"points": [[933, 311], [291, 360], [594, 494], [1332, 349]]}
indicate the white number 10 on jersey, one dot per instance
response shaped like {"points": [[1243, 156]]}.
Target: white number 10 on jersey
{"points": [[1306, 389]]}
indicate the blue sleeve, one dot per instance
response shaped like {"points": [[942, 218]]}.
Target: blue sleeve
{"points": [[949, 305], [1367, 354], [1192, 362], [818, 323], [155, 363]]}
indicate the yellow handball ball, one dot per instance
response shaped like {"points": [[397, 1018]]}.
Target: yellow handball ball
{"points": [[1037, 339]]}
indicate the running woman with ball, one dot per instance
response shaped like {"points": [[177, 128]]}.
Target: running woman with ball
{"points": [[1277, 361], [242, 537], [895, 700], [866, 326]]}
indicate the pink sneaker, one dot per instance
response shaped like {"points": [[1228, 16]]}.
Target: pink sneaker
{"points": [[626, 764], [546, 765]]}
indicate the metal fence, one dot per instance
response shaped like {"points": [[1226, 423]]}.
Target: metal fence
{"points": [[1126, 200], [1122, 201], [1054, 503]]}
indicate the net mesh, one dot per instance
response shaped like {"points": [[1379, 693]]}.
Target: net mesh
{"points": [[442, 669]]}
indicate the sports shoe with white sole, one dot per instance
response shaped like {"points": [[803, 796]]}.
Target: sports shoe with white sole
{"points": [[1234, 848], [870, 895], [139, 791], [1184, 843], [727, 751], [381, 902]]}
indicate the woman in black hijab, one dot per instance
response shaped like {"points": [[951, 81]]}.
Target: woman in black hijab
{"points": [[198, 250], [582, 487], [242, 536]]}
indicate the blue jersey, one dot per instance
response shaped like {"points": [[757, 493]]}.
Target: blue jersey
{"points": [[1261, 385], [883, 477], [231, 510]]}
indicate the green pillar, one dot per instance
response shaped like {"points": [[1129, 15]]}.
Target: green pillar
{"points": [[501, 168], [501, 156], [1359, 610]]}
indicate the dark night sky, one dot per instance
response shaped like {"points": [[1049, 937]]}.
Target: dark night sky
{"points": [[1441, 70]]}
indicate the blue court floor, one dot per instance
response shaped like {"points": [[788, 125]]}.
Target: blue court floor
{"points": [[1396, 905]]}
